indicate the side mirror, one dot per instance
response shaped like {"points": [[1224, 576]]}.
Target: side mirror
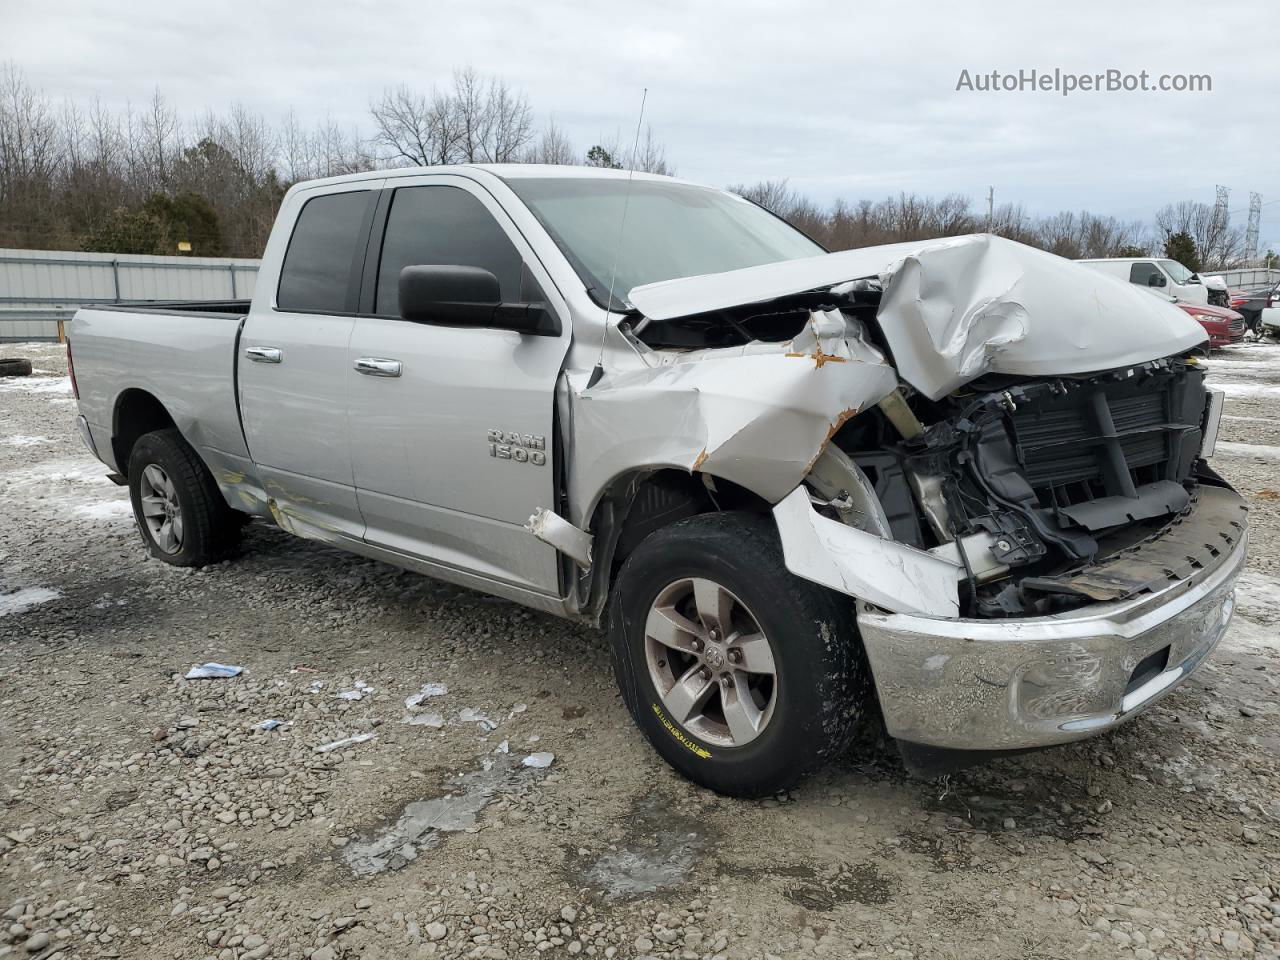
{"points": [[1156, 280], [459, 296]]}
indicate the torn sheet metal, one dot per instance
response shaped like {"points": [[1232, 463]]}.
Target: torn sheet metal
{"points": [[758, 415], [891, 575], [549, 527], [955, 309]]}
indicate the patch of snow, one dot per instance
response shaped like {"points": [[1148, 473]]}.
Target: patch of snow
{"points": [[1261, 451], [106, 510], [24, 599], [18, 440], [36, 384], [1235, 390], [1228, 416], [1258, 598]]}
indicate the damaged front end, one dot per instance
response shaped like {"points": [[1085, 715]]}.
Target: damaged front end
{"points": [[1024, 513]]}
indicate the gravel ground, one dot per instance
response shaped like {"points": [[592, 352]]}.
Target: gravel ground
{"points": [[146, 815]]}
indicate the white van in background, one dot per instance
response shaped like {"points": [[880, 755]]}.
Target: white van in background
{"points": [[1162, 275]]}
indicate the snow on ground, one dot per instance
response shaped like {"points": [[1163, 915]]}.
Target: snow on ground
{"points": [[1230, 448], [24, 599], [36, 385], [19, 440]]}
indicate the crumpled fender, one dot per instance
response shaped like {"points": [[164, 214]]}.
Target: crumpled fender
{"points": [[758, 415]]}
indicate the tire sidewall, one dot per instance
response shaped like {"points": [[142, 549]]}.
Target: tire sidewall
{"points": [[795, 738], [149, 450]]}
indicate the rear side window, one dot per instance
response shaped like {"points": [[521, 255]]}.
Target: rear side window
{"points": [[317, 270], [1142, 273], [442, 225]]}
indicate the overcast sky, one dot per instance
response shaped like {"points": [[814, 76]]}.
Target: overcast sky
{"points": [[844, 99]]}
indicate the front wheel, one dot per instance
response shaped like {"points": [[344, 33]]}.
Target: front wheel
{"points": [[176, 503], [742, 676]]}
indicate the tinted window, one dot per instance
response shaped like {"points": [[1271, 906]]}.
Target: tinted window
{"points": [[442, 225], [317, 265], [1142, 273]]}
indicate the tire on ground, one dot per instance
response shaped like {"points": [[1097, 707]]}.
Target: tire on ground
{"points": [[211, 529], [15, 367], [824, 696]]}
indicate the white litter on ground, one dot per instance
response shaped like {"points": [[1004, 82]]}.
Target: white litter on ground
{"points": [[268, 725], [360, 688], [428, 690], [435, 720], [472, 715], [538, 760], [213, 671], [20, 601], [345, 742]]}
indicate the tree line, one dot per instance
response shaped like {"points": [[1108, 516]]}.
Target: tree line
{"points": [[80, 176]]}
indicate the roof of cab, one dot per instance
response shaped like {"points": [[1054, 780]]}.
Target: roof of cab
{"points": [[502, 171]]}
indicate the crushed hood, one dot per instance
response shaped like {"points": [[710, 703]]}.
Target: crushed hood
{"points": [[952, 310]]}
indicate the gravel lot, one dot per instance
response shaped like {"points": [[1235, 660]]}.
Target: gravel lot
{"points": [[145, 815]]}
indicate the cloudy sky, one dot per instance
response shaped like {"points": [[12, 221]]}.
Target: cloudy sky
{"points": [[844, 99]]}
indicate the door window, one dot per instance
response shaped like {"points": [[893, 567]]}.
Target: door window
{"points": [[1142, 273], [317, 270], [441, 225]]}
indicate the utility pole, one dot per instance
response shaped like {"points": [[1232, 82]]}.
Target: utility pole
{"points": [[991, 206]]}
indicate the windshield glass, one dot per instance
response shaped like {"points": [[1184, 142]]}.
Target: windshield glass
{"points": [[672, 230], [1177, 272]]}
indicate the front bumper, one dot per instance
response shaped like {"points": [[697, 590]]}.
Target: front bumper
{"points": [[1023, 683]]}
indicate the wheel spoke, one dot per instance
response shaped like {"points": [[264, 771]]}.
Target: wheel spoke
{"points": [[153, 506], [689, 694], [671, 629], [155, 478], [177, 530], [740, 711], [714, 605], [757, 655], [165, 536]]}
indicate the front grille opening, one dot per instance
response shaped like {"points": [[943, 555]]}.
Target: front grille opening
{"points": [[1148, 667]]}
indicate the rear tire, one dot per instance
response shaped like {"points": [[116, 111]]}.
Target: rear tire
{"points": [[180, 512], [807, 696]]}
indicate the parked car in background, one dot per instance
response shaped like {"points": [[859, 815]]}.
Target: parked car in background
{"points": [[960, 484], [1162, 275], [1223, 326], [1252, 304]]}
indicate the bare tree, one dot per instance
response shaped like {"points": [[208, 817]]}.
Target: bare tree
{"points": [[416, 128], [551, 146]]}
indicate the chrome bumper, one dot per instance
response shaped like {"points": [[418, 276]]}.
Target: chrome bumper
{"points": [[1016, 684]]}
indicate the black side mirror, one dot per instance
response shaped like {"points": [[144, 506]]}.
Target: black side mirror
{"points": [[454, 295], [1155, 280]]}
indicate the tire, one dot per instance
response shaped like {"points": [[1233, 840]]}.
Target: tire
{"points": [[15, 367], [165, 474], [820, 696]]}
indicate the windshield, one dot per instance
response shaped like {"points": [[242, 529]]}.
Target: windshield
{"points": [[672, 230], [1177, 272]]}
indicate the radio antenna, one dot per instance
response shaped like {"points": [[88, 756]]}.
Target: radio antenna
{"points": [[598, 372]]}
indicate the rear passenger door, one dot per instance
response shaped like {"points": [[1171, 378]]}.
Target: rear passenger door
{"points": [[436, 472], [293, 361]]}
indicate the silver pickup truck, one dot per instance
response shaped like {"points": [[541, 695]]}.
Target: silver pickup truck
{"points": [[959, 485]]}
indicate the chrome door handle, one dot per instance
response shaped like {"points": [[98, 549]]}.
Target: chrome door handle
{"points": [[377, 367], [264, 354]]}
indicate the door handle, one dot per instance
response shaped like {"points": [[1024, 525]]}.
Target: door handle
{"points": [[377, 367], [264, 354]]}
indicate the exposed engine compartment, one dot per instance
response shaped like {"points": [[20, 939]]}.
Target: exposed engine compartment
{"points": [[1044, 490]]}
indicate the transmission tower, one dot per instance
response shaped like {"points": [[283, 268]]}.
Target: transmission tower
{"points": [[1255, 223], [1220, 214]]}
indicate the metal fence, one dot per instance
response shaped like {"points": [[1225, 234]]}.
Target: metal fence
{"points": [[40, 287], [1252, 278]]}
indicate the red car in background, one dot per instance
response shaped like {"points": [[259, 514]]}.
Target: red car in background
{"points": [[1223, 326]]}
